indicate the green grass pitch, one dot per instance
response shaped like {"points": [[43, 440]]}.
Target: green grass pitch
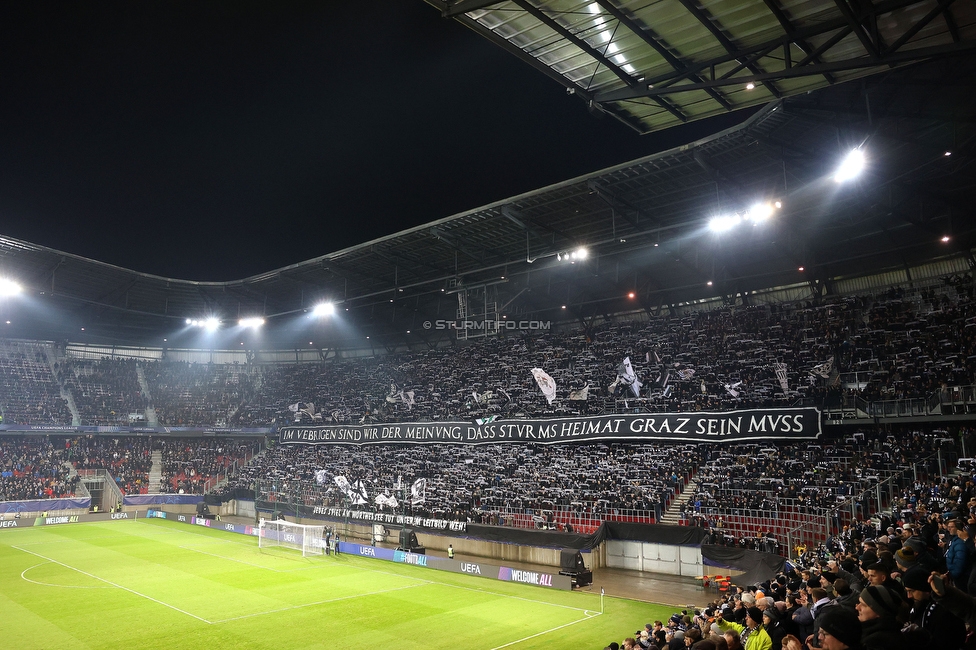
{"points": [[157, 584]]}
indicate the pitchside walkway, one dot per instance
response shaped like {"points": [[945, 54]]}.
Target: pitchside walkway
{"points": [[651, 587]]}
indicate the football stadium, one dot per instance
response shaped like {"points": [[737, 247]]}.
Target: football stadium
{"points": [[719, 396]]}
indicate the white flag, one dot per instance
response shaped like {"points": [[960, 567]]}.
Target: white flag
{"points": [[731, 388], [418, 491], [580, 395], [343, 484], [627, 376], [546, 383], [321, 477], [781, 375]]}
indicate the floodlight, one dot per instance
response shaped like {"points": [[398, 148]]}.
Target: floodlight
{"points": [[760, 212], [9, 287], [255, 322], [324, 309], [581, 253], [852, 166], [211, 324], [721, 224]]}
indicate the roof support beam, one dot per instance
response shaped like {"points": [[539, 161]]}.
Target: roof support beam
{"points": [[709, 23], [622, 74], [452, 9], [796, 71], [790, 28], [659, 45], [942, 7], [873, 49]]}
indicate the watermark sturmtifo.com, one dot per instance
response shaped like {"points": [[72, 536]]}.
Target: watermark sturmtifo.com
{"points": [[487, 324]]}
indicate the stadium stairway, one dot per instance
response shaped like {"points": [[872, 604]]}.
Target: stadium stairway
{"points": [[156, 472], [52, 361], [672, 515], [151, 418]]}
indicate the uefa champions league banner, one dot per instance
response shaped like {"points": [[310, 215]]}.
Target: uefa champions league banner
{"points": [[757, 424]]}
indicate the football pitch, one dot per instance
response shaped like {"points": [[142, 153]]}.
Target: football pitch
{"points": [[150, 583]]}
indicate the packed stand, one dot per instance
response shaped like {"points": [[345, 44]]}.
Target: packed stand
{"points": [[544, 485], [198, 394], [127, 458], [106, 391], [884, 584], [780, 486], [29, 392], [899, 344], [33, 468], [194, 465]]}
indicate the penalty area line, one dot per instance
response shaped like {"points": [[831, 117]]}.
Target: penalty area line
{"points": [[118, 586], [552, 629]]}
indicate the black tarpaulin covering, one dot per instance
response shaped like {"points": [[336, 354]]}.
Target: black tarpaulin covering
{"points": [[655, 533], [757, 567]]}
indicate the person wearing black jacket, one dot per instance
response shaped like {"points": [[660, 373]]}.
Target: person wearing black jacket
{"points": [[775, 627], [942, 630], [878, 610]]}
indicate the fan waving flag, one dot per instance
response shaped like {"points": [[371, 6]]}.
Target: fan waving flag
{"points": [[418, 491], [546, 383], [627, 377]]}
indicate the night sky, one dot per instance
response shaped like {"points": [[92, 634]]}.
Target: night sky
{"points": [[214, 141]]}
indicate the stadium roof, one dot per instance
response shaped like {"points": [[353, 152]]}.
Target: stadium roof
{"points": [[653, 65], [644, 224]]}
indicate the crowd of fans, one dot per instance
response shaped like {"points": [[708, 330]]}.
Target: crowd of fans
{"points": [[193, 465], [186, 394], [892, 345], [898, 581], [555, 485], [40, 467], [32, 468], [105, 392]]}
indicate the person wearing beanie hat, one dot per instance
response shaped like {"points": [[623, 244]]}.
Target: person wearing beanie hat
{"points": [[752, 635], [840, 630], [878, 610], [934, 625], [774, 626], [906, 558]]}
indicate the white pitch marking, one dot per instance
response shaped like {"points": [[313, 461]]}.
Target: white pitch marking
{"points": [[109, 582], [48, 584], [320, 602], [552, 629]]}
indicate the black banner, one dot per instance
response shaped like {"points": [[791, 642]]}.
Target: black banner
{"points": [[758, 424]]}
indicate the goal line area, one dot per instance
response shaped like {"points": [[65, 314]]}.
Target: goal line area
{"points": [[309, 540]]}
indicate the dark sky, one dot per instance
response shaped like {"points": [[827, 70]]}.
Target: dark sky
{"points": [[213, 141]]}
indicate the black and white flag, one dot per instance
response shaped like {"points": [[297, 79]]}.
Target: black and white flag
{"points": [[824, 369], [418, 491], [781, 376], [626, 377]]}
